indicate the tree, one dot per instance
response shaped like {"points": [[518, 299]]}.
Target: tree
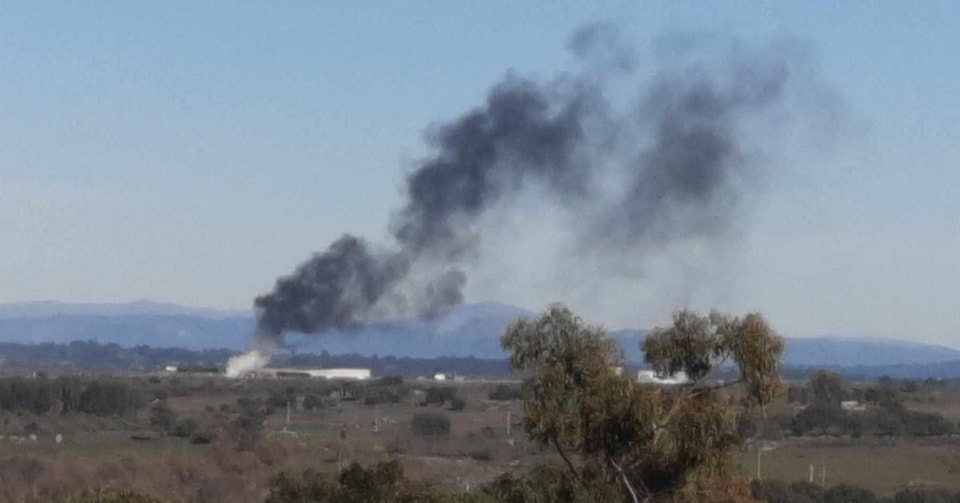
{"points": [[649, 440], [163, 417], [828, 388], [430, 424]]}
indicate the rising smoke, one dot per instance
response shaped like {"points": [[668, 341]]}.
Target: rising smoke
{"points": [[675, 150]]}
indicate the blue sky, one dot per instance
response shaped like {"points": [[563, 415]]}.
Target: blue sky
{"points": [[193, 151]]}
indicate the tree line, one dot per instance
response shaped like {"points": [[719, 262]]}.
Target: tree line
{"points": [[885, 414], [69, 395]]}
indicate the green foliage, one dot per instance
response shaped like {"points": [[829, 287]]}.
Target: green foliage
{"points": [[106, 397], [697, 344], [110, 495], [457, 404], [388, 381], [505, 392], [438, 395], [888, 417], [926, 496], [430, 424], [547, 484], [844, 493], [381, 483], [246, 427], [185, 428], [828, 388], [68, 395], [313, 402], [162, 417], [606, 428], [776, 491], [380, 396]]}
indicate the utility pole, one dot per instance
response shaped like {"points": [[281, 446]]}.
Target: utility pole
{"points": [[288, 412], [759, 451], [508, 424], [376, 419], [811, 473]]}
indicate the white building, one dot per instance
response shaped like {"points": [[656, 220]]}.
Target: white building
{"points": [[651, 377], [439, 377], [853, 406], [345, 374]]}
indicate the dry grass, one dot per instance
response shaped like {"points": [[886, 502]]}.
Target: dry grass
{"points": [[99, 452], [882, 469]]}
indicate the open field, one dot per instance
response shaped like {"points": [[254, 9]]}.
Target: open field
{"points": [[884, 469], [368, 423]]}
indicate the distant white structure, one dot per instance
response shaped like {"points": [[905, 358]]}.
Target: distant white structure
{"points": [[650, 377], [346, 374], [439, 377], [853, 406], [170, 368], [243, 365]]}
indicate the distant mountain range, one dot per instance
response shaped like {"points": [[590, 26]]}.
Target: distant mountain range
{"points": [[472, 329]]}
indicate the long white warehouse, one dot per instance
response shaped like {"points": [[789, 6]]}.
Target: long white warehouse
{"points": [[346, 374]]}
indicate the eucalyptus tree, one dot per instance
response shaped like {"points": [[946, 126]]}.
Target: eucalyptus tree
{"points": [[642, 441]]}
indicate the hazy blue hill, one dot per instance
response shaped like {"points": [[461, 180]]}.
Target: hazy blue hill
{"points": [[851, 352], [469, 330], [189, 331], [48, 308], [832, 351]]}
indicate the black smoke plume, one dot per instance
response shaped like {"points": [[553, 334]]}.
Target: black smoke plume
{"points": [[675, 148]]}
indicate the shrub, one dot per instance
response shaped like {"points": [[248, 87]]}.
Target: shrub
{"points": [[926, 496], [162, 417], [430, 424], [389, 381], [458, 404], [505, 392], [313, 402], [185, 428], [844, 493], [438, 396], [381, 483], [110, 495]]}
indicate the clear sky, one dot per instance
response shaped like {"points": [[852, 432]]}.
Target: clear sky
{"points": [[193, 151]]}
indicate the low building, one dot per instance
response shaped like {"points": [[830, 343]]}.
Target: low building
{"points": [[342, 373], [439, 377], [853, 406], [651, 377]]}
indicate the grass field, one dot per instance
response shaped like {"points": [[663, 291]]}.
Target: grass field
{"points": [[97, 451], [884, 469]]}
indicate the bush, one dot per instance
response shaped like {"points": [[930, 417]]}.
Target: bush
{"points": [[162, 417], [381, 483], [458, 404], [438, 396], [505, 392], [185, 428], [246, 428], [926, 496], [110, 495], [388, 381], [377, 397], [844, 493], [780, 492], [430, 424], [313, 402]]}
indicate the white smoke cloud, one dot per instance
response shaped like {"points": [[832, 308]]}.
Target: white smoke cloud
{"points": [[241, 365]]}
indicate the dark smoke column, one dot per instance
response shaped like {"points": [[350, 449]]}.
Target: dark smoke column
{"points": [[676, 153]]}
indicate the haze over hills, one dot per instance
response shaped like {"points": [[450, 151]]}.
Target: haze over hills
{"points": [[472, 329]]}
